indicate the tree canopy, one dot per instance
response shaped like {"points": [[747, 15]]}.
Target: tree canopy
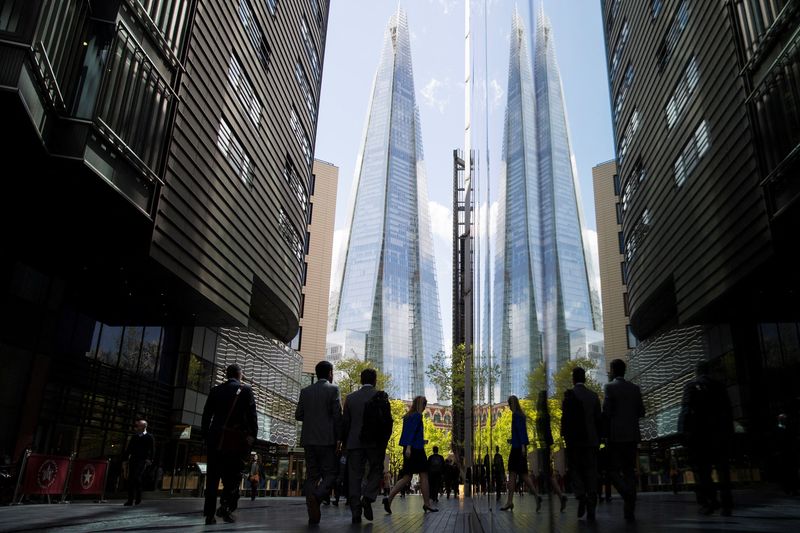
{"points": [[348, 376]]}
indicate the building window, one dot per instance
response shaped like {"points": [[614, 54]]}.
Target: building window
{"points": [[315, 7], [619, 101], [636, 177], [680, 97], [305, 272], [621, 238], [302, 137], [619, 212], [627, 137], [694, 150], [272, 5], [308, 241], [674, 31], [310, 213], [254, 33], [305, 87], [656, 8], [612, 14], [302, 305], [616, 185], [297, 341], [311, 51], [295, 183], [637, 236], [243, 88], [290, 235], [619, 48], [623, 266], [234, 152], [633, 342], [625, 304], [313, 184]]}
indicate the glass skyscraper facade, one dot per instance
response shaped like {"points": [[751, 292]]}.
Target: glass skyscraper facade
{"points": [[386, 277], [543, 286]]}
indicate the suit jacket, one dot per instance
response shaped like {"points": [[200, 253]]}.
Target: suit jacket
{"points": [[140, 447], [706, 419], [321, 413], [219, 404], [353, 417], [413, 432], [519, 430], [587, 416], [622, 409]]}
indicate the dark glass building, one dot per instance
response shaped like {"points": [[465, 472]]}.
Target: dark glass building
{"points": [[157, 161], [705, 110]]}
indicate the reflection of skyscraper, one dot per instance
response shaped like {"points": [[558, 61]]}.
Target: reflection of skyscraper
{"points": [[542, 282], [386, 278]]}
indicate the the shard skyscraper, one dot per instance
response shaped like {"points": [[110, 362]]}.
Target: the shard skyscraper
{"points": [[544, 304], [387, 287]]}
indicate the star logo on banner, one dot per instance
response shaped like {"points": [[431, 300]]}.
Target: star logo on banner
{"points": [[47, 474], [87, 476]]}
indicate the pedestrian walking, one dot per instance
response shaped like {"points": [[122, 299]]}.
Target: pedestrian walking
{"points": [[254, 477], [580, 427], [321, 413], [367, 428], [486, 469], [706, 423], [517, 459], [498, 473], [435, 473], [550, 465], [412, 439], [229, 426], [139, 454], [622, 409]]}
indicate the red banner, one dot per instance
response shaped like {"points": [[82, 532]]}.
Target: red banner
{"points": [[88, 476], [45, 474]]}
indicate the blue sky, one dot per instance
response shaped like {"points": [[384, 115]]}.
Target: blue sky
{"points": [[355, 37]]}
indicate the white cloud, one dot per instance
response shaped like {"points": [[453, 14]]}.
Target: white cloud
{"points": [[446, 5], [431, 94], [590, 244], [441, 220], [338, 243], [497, 93]]}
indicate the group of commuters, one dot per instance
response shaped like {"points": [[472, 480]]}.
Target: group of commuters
{"points": [[354, 439]]}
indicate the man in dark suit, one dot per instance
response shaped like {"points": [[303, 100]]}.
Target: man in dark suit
{"points": [[139, 455], [498, 473], [706, 423], [580, 426], [230, 405], [622, 409], [361, 453], [435, 473], [321, 413]]}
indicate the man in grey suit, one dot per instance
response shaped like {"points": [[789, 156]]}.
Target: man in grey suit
{"points": [[580, 426], [362, 453], [622, 409], [321, 413]]}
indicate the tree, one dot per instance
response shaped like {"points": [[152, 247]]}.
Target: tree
{"points": [[562, 379], [447, 375], [348, 376], [393, 450]]}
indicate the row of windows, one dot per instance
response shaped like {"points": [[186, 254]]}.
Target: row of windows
{"points": [[623, 91], [243, 88], [619, 48], [637, 236], [254, 32], [234, 152], [291, 235], [311, 52], [680, 97], [627, 138], [301, 135], [295, 183], [670, 40]]}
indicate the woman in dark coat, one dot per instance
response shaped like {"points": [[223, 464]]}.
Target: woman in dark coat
{"points": [[518, 458]]}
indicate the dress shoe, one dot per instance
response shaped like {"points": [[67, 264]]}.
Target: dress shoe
{"points": [[210, 520], [366, 506], [228, 518], [538, 503], [356, 519], [507, 507], [137, 502], [427, 509], [563, 503], [387, 506], [128, 503]]}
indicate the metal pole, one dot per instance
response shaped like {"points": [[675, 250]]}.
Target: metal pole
{"points": [[19, 476], [105, 480], [66, 481], [468, 455]]}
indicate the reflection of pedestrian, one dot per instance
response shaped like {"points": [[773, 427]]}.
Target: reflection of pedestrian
{"points": [[254, 477], [230, 406], [139, 455], [622, 409], [551, 465], [604, 481], [321, 413], [517, 459], [673, 471], [787, 454], [498, 473], [580, 426], [435, 473], [706, 423]]}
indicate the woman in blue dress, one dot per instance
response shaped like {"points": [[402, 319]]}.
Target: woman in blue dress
{"points": [[412, 439]]}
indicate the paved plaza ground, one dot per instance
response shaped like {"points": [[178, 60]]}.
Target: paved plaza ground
{"points": [[656, 512]]}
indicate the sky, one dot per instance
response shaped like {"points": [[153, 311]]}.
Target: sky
{"points": [[355, 37]]}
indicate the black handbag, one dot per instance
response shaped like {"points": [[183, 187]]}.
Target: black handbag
{"points": [[234, 440]]}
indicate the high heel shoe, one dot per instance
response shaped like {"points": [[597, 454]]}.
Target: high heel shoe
{"points": [[430, 509], [508, 507], [387, 506], [538, 503]]}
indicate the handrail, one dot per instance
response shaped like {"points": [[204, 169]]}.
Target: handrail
{"points": [[48, 76]]}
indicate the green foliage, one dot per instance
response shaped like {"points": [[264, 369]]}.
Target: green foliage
{"points": [[348, 376], [434, 436], [447, 375], [537, 380]]}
